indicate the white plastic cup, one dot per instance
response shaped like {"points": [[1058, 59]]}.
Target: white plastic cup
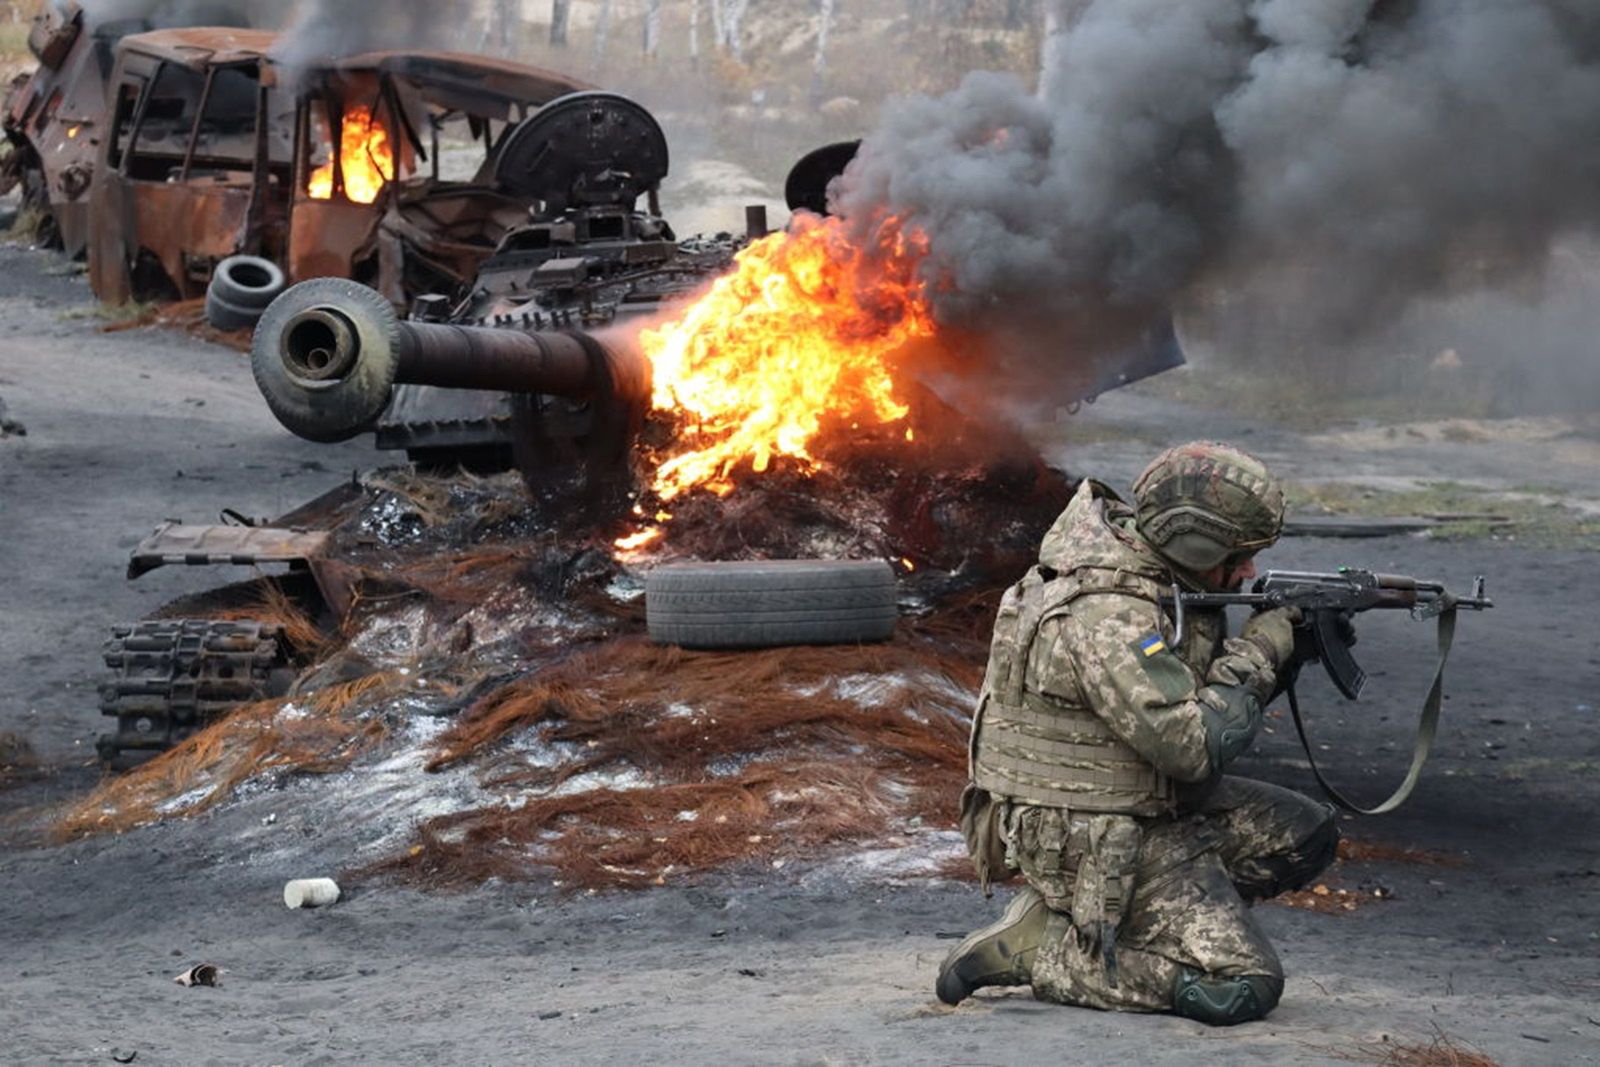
{"points": [[310, 892]]}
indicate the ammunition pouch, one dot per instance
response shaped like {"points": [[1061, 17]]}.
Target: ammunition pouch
{"points": [[1107, 874], [981, 817]]}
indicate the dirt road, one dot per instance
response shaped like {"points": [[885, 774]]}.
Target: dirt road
{"points": [[1495, 940]]}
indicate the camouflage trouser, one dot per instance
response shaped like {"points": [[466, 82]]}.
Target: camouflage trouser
{"points": [[1192, 877]]}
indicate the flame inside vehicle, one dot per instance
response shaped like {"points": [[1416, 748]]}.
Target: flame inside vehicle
{"points": [[800, 335], [366, 159]]}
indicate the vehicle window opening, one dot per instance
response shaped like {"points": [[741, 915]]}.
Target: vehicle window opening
{"points": [[193, 122], [123, 117], [366, 159]]}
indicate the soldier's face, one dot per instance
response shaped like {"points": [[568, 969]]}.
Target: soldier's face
{"points": [[1230, 577], [1235, 576]]}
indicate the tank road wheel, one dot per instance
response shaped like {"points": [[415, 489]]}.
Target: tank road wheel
{"points": [[331, 371], [766, 603]]}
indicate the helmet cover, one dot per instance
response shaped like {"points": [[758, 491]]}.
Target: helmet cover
{"points": [[1201, 503]]}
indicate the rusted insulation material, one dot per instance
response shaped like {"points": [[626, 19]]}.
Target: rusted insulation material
{"points": [[316, 734], [579, 754], [273, 606], [836, 745], [596, 697], [637, 837]]}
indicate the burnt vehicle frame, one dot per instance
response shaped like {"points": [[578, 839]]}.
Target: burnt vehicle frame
{"points": [[51, 120], [168, 204], [159, 153]]}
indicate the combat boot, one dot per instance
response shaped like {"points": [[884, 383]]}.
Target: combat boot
{"points": [[998, 954]]}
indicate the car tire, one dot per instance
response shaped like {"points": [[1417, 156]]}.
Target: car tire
{"points": [[247, 282], [225, 315], [767, 603]]}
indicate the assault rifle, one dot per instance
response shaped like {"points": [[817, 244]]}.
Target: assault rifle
{"points": [[1327, 602]]}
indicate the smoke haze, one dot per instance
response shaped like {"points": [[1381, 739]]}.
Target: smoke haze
{"points": [[314, 28], [164, 14], [1354, 157], [322, 28]]}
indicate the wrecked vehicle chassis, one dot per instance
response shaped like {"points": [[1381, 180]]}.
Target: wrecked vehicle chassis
{"points": [[158, 154]]}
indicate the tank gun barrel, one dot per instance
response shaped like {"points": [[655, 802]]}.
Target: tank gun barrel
{"points": [[328, 353]]}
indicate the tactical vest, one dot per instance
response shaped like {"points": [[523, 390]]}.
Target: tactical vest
{"points": [[1037, 749]]}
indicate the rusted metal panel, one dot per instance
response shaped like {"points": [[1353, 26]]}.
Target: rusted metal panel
{"points": [[328, 237], [171, 222], [108, 250], [174, 544], [180, 222], [198, 47], [54, 31]]}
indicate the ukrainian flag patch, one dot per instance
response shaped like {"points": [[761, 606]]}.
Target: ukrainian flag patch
{"points": [[1152, 644]]}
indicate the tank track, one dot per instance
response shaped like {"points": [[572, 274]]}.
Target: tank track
{"points": [[170, 677]]}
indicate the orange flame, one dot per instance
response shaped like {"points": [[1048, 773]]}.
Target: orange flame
{"points": [[365, 158], [800, 333]]}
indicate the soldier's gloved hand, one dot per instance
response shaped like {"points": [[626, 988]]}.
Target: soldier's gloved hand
{"points": [[1306, 649], [1272, 631]]}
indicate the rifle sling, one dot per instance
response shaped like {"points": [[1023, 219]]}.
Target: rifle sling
{"points": [[1427, 726]]}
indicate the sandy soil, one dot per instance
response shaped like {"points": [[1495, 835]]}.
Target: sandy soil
{"points": [[828, 960]]}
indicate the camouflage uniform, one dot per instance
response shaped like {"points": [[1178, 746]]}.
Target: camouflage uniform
{"points": [[1097, 764]]}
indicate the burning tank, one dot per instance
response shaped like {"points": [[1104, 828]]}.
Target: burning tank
{"points": [[713, 397]]}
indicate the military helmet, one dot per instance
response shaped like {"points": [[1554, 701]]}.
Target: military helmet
{"points": [[1199, 504]]}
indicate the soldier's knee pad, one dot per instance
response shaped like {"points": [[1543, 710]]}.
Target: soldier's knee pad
{"points": [[1220, 1001]]}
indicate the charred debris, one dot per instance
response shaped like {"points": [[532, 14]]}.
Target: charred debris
{"points": [[476, 614], [488, 645]]}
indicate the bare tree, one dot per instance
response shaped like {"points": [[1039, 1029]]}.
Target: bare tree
{"points": [[652, 28], [1059, 17], [717, 32], [726, 18], [497, 27], [560, 17], [735, 21], [602, 30], [819, 65], [694, 33]]}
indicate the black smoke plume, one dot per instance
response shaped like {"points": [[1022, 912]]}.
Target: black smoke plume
{"points": [[1352, 156]]}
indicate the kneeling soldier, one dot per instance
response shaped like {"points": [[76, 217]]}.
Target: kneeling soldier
{"points": [[1098, 751]]}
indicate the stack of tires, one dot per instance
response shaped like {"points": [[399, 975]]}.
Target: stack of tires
{"points": [[241, 288]]}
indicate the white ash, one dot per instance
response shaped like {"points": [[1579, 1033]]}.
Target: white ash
{"points": [[618, 779], [393, 638], [915, 857], [184, 801], [393, 522]]}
